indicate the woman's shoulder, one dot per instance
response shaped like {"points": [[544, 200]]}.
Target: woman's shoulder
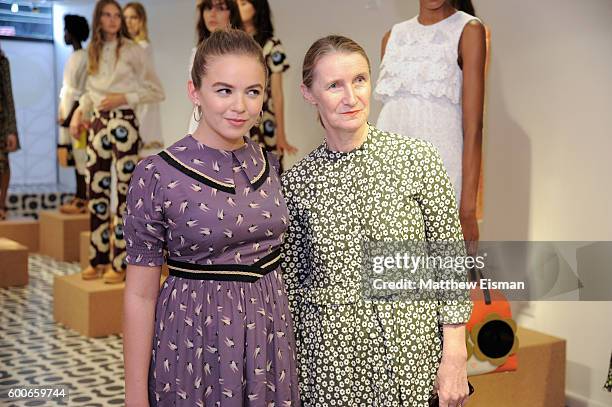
{"points": [[132, 47], [144, 44], [403, 145], [78, 57], [403, 25]]}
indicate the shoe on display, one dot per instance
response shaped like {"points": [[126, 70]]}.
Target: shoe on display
{"points": [[92, 273], [75, 206], [113, 277]]}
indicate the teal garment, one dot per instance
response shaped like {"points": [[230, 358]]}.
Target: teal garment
{"points": [[353, 350]]}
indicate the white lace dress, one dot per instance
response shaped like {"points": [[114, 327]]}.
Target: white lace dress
{"points": [[420, 85]]}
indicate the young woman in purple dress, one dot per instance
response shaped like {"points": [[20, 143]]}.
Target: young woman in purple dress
{"points": [[218, 332]]}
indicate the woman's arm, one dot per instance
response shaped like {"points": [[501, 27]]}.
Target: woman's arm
{"points": [[150, 89], [139, 299], [452, 373], [383, 45], [276, 84], [472, 50], [444, 238]]}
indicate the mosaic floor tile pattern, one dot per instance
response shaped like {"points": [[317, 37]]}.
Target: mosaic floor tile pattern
{"points": [[34, 351]]}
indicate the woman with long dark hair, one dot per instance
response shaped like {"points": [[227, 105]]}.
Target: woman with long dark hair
{"points": [[120, 78], [257, 20], [212, 15]]}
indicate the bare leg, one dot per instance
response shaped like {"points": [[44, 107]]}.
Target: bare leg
{"points": [[5, 179]]}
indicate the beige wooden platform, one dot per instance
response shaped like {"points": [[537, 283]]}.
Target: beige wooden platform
{"points": [[59, 234], [13, 263], [23, 230], [90, 307], [538, 382]]}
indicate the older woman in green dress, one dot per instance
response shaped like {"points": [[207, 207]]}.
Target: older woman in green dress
{"points": [[359, 184]]}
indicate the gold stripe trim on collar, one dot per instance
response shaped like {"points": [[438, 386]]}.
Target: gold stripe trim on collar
{"points": [[225, 184], [263, 168]]}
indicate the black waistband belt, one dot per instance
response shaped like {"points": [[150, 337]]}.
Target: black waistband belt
{"points": [[226, 272]]}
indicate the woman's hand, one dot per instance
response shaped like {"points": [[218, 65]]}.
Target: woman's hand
{"points": [[451, 382], [77, 123], [471, 234], [112, 101], [11, 143], [282, 146]]}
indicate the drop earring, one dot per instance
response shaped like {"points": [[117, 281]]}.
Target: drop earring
{"points": [[198, 109]]}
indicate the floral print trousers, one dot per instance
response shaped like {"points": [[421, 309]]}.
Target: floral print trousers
{"points": [[113, 140]]}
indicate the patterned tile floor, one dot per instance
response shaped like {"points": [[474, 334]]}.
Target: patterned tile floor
{"points": [[34, 351]]}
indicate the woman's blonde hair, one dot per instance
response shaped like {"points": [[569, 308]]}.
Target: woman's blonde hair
{"points": [[97, 37], [143, 34]]}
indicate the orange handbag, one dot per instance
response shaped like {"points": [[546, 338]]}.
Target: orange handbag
{"points": [[491, 332]]}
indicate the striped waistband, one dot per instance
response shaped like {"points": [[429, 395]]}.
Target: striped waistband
{"points": [[226, 272]]}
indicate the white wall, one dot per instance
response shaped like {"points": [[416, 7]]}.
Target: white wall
{"points": [[548, 156]]}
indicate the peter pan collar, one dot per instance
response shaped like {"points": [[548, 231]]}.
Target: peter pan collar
{"points": [[216, 168], [323, 150]]}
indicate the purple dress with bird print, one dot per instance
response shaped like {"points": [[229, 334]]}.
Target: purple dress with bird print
{"points": [[223, 332]]}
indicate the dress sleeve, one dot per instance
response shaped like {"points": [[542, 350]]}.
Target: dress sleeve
{"points": [[144, 221], [296, 246], [150, 90], [275, 55], [442, 231]]}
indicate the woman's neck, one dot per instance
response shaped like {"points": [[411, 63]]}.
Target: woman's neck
{"points": [[109, 37], [429, 16], [346, 141], [76, 45], [249, 27]]}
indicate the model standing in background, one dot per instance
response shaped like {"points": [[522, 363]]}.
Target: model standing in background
{"points": [[364, 185], [148, 114], [76, 31], [9, 142], [120, 77], [270, 133], [212, 15], [219, 333], [432, 85]]}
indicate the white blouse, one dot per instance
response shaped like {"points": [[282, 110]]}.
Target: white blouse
{"points": [[75, 75], [149, 115], [132, 74]]}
